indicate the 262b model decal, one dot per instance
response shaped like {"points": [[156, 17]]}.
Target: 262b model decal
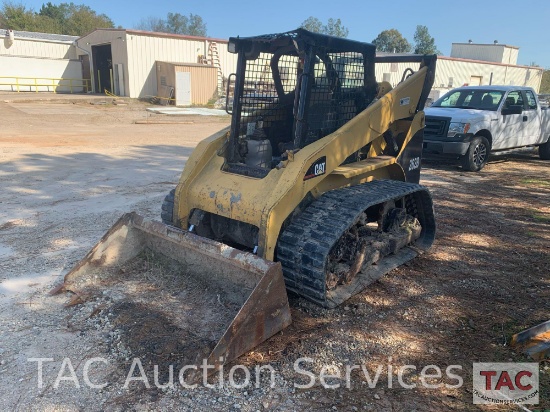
{"points": [[318, 168]]}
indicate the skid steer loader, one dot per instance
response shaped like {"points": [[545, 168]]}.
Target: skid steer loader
{"points": [[313, 189]]}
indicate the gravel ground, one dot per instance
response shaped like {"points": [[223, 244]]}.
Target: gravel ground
{"points": [[69, 170]]}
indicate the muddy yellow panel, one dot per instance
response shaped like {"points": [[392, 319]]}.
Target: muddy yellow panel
{"points": [[266, 203]]}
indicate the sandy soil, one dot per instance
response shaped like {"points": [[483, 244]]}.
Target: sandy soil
{"points": [[69, 169]]}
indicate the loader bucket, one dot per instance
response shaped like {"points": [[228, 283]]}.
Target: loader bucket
{"points": [[221, 302]]}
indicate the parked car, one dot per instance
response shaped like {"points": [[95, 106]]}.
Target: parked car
{"points": [[471, 122]]}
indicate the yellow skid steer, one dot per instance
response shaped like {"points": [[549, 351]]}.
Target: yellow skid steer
{"points": [[313, 189]]}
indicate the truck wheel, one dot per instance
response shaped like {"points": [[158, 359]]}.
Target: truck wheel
{"points": [[167, 213], [544, 150], [476, 157]]}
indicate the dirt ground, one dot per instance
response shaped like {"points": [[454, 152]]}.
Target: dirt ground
{"points": [[69, 169]]}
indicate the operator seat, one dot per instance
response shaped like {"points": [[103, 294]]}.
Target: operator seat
{"points": [[510, 101], [487, 102]]}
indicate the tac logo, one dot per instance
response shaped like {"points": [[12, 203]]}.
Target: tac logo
{"points": [[506, 383]]}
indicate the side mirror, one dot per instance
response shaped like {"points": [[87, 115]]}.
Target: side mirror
{"points": [[230, 87], [514, 109]]}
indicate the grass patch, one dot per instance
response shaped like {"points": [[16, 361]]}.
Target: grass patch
{"points": [[542, 218], [539, 182]]}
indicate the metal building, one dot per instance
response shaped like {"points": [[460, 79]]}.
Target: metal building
{"points": [[124, 61], [472, 65], [39, 62], [454, 72], [496, 52]]}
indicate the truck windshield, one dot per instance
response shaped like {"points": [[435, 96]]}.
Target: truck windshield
{"points": [[471, 99]]}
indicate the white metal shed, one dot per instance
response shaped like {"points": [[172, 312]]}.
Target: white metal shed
{"points": [[133, 53]]}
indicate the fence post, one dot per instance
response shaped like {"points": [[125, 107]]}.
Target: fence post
{"points": [[53, 86], [17, 83], [35, 86], [71, 85], [99, 81]]}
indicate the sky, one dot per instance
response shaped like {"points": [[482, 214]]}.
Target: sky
{"points": [[521, 24]]}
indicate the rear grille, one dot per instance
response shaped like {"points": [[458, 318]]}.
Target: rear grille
{"points": [[436, 126]]}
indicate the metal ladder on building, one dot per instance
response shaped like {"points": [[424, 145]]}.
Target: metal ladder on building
{"points": [[215, 59]]}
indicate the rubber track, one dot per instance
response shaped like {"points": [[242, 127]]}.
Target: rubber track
{"points": [[304, 246], [167, 213]]}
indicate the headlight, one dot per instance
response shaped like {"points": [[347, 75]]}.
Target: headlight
{"points": [[455, 128]]}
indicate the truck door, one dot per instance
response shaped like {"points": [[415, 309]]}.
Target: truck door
{"points": [[511, 125], [531, 120]]}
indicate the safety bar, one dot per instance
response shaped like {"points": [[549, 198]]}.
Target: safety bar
{"points": [[21, 83]]}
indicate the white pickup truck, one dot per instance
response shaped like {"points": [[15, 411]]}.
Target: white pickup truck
{"points": [[471, 122]]}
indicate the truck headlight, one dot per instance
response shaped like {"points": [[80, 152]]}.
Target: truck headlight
{"points": [[455, 128]]}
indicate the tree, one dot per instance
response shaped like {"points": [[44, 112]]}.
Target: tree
{"points": [[51, 18], [196, 26], [391, 41], [176, 23], [81, 20], [65, 18], [423, 42], [332, 28], [335, 28], [312, 24], [16, 17], [45, 24], [57, 13], [152, 23]]}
